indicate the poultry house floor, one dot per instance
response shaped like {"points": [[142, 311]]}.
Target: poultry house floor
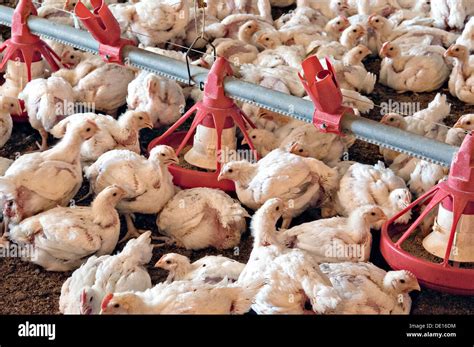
{"points": [[28, 289]]}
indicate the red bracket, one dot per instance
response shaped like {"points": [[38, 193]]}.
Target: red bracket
{"points": [[103, 26], [24, 46], [323, 89]]}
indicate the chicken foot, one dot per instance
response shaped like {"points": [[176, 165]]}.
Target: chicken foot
{"points": [[167, 241], [44, 140]]}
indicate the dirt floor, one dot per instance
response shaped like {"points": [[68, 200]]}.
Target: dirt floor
{"points": [[28, 289]]}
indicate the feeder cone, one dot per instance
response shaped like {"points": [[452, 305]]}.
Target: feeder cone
{"points": [[214, 125], [452, 238], [23, 46]]}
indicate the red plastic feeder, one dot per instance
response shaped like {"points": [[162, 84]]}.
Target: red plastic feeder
{"points": [[453, 230], [25, 47], [323, 89], [215, 113]]}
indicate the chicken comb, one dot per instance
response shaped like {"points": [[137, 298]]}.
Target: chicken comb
{"points": [[103, 26], [106, 301]]}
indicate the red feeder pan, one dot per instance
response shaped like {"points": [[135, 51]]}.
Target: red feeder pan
{"points": [[456, 196], [217, 111]]}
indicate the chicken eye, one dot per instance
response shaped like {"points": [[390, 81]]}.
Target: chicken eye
{"points": [[114, 194], [162, 154], [468, 122], [354, 31], [457, 49], [254, 136], [92, 298], [338, 23], [71, 56], [377, 20], [203, 265], [392, 119], [168, 262], [267, 39], [117, 305], [88, 129], [391, 48], [300, 151], [402, 281], [372, 213], [230, 170], [360, 52], [11, 105], [141, 118], [278, 208]]}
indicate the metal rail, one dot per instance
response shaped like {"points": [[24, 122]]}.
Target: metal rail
{"points": [[363, 128]]}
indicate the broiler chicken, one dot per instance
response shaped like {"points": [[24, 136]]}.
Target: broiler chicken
{"points": [[112, 133], [338, 239], [367, 289], [451, 14], [310, 142], [202, 217], [221, 9], [46, 102], [88, 63], [155, 22], [423, 69], [285, 273], [328, 8], [209, 269], [458, 132], [351, 73], [64, 237], [36, 182], [182, 297], [105, 87], [84, 290], [467, 36], [161, 98], [6, 122], [373, 185], [428, 122], [461, 81], [302, 182], [147, 182]]}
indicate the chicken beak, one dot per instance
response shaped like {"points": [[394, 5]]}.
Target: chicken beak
{"points": [[417, 287], [149, 125], [220, 177], [173, 160], [458, 124], [159, 264], [244, 141]]}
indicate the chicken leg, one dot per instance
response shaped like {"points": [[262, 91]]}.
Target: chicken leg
{"points": [[44, 140], [132, 230]]}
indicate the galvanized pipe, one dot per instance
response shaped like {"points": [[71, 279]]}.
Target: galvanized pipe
{"points": [[363, 128]]}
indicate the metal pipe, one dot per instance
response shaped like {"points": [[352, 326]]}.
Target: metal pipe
{"points": [[363, 128]]}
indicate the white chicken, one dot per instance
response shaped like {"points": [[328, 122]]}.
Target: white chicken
{"points": [[84, 290], [287, 273], [310, 142], [451, 14], [338, 239], [154, 23], [147, 182], [64, 237], [112, 133], [461, 81], [282, 55], [6, 122], [428, 122], [373, 185], [202, 217], [422, 70], [302, 182], [46, 101], [458, 132], [88, 63], [105, 87], [182, 297], [282, 78], [36, 182], [382, 7], [328, 8], [161, 98], [209, 269], [367, 289], [467, 37], [222, 9], [351, 73]]}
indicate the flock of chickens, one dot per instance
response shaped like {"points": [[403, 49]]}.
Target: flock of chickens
{"points": [[318, 267]]}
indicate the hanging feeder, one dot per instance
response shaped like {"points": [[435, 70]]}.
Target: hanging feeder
{"points": [[323, 89], [452, 238], [25, 49], [213, 127]]}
